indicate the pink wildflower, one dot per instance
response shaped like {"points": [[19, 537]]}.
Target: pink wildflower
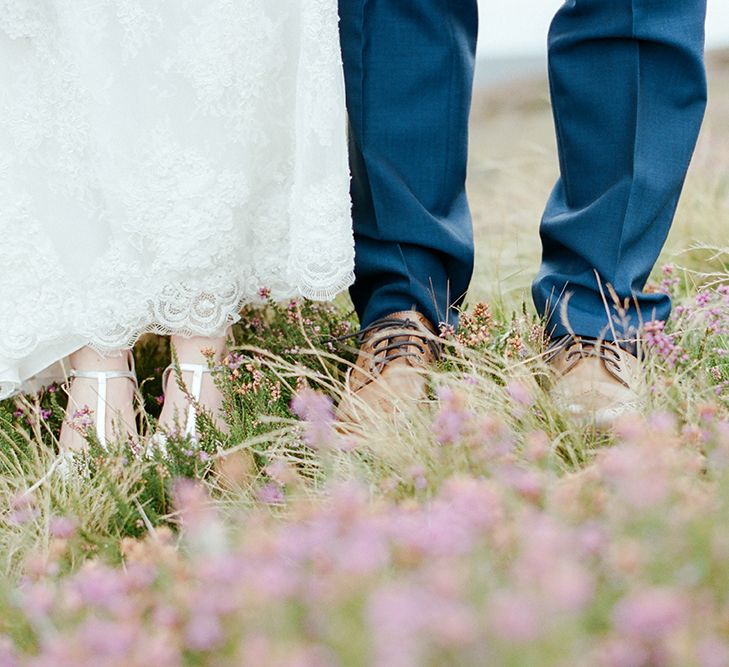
{"points": [[203, 632], [317, 411], [528, 483], [447, 330], [234, 361], [363, 550], [203, 528], [670, 282], [537, 446], [98, 586], [640, 480], [191, 500], [649, 614], [23, 509], [107, 641], [452, 419], [417, 474], [592, 539], [36, 600], [713, 652], [81, 420], [63, 527], [657, 340], [281, 472], [569, 587], [621, 652], [8, 654], [520, 393], [703, 299], [398, 614], [513, 617], [271, 494]]}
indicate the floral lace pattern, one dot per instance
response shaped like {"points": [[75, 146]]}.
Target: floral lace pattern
{"points": [[161, 161]]}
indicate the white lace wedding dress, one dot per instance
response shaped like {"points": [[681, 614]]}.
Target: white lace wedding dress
{"points": [[161, 163]]}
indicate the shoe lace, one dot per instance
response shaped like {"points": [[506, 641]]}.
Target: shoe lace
{"points": [[577, 348], [394, 338]]}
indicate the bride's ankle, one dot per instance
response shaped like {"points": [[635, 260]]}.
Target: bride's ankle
{"points": [[199, 349], [203, 393], [85, 395], [88, 359]]}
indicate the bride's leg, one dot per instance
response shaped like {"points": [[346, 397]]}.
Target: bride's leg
{"points": [[194, 350], [83, 398]]}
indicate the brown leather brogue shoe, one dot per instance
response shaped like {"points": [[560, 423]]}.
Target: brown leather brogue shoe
{"points": [[389, 372], [596, 381]]}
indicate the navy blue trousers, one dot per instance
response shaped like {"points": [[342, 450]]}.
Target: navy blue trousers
{"points": [[409, 75], [629, 92]]}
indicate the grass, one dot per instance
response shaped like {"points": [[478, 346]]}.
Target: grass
{"points": [[481, 528]]}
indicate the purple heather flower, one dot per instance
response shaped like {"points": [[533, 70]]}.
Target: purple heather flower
{"points": [[418, 475], [621, 652], [713, 652], [23, 509], [107, 641], [203, 632], [82, 420], [194, 505], [271, 494], [520, 393], [649, 614], [703, 299], [63, 527], [513, 617], [657, 340], [452, 419], [234, 361], [36, 600], [447, 330], [99, 586], [317, 411], [397, 615]]}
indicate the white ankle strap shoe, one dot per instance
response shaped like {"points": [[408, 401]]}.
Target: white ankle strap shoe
{"points": [[194, 389], [102, 379]]}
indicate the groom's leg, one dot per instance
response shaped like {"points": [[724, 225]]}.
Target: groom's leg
{"points": [[629, 92], [409, 72]]}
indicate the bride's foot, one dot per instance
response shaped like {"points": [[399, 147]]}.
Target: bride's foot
{"points": [[193, 356], [100, 387]]}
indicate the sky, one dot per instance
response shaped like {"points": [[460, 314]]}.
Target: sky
{"points": [[519, 27]]}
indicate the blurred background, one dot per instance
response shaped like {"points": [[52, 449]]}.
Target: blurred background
{"points": [[513, 155], [518, 28]]}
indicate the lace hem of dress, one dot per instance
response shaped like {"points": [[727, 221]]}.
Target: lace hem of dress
{"points": [[187, 320], [230, 316]]}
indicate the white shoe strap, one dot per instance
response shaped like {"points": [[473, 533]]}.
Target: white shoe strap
{"points": [[107, 375], [102, 378], [195, 389]]}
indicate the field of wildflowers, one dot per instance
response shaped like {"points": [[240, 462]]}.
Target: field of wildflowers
{"points": [[480, 529]]}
